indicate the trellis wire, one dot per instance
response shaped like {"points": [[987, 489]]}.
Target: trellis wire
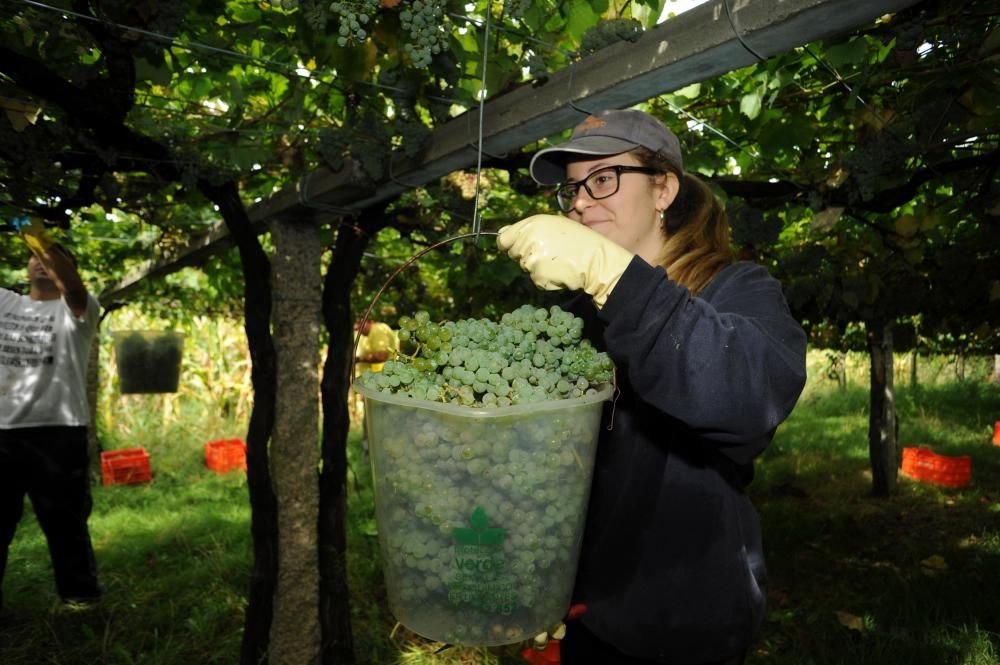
{"points": [[739, 36], [477, 221]]}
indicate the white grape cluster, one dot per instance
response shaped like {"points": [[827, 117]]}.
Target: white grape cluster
{"points": [[354, 18], [421, 20], [314, 14], [528, 472], [610, 31], [531, 355], [287, 5]]}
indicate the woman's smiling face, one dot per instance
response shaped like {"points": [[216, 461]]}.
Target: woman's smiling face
{"points": [[631, 216]]}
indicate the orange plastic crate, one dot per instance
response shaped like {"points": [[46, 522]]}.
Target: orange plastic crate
{"points": [[996, 433], [925, 465], [226, 455], [125, 467]]}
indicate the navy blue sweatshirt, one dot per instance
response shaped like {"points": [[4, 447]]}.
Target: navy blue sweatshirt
{"points": [[671, 566]]}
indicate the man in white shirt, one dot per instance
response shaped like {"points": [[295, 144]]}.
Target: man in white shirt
{"points": [[44, 342]]}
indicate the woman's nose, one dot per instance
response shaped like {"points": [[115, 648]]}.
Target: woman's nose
{"points": [[582, 200]]}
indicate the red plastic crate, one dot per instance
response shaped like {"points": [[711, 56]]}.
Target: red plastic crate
{"points": [[926, 465], [125, 467], [226, 455], [996, 433]]}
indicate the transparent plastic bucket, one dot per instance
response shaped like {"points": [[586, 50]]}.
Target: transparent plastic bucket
{"points": [[480, 511], [148, 361]]}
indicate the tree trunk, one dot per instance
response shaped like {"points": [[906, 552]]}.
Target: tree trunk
{"points": [[996, 369], [263, 504], [913, 368], [882, 419], [842, 370], [960, 366], [335, 608], [295, 631]]}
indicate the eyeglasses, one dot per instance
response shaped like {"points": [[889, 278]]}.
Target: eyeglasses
{"points": [[599, 184]]}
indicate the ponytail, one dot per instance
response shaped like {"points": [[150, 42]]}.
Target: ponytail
{"points": [[695, 227], [697, 235]]}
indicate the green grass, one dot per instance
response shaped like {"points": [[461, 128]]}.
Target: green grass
{"points": [[175, 556], [831, 547]]}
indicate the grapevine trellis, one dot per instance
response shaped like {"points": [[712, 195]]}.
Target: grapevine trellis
{"points": [[706, 41]]}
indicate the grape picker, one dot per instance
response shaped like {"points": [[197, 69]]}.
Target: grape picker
{"points": [[376, 343], [45, 337], [709, 362]]}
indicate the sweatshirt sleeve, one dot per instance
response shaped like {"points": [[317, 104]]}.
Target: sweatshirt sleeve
{"points": [[730, 364]]}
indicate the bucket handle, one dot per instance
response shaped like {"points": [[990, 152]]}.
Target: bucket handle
{"points": [[413, 259], [406, 264]]}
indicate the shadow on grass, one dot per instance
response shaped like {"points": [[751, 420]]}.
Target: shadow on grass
{"points": [[855, 579]]}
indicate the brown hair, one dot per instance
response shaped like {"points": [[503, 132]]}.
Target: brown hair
{"points": [[695, 228]]}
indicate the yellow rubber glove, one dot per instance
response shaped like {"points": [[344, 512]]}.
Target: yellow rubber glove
{"points": [[35, 235], [559, 253]]}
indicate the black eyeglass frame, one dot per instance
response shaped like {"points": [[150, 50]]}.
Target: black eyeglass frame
{"points": [[619, 169]]}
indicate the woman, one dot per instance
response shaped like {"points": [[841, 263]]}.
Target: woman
{"points": [[709, 362]]}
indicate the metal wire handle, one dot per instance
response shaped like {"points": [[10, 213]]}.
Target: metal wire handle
{"points": [[410, 261]]}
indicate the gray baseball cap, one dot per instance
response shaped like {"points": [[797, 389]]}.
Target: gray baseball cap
{"points": [[607, 133]]}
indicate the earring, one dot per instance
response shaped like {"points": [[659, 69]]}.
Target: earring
{"points": [[663, 216]]}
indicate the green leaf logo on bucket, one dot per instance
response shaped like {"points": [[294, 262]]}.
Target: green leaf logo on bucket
{"points": [[480, 580], [480, 533]]}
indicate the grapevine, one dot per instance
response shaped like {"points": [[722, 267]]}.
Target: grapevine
{"points": [[879, 158]]}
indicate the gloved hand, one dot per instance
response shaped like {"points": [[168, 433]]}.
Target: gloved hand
{"points": [[559, 253], [34, 234], [545, 648]]}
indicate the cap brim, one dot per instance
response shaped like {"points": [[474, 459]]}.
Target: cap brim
{"points": [[548, 166]]}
